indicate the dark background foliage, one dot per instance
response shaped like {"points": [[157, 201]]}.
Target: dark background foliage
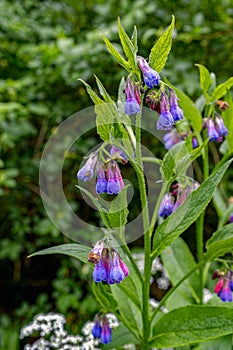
{"points": [[45, 46]]}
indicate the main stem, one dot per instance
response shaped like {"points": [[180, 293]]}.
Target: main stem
{"points": [[147, 243], [200, 227]]}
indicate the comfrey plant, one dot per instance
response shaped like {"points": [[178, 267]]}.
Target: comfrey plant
{"points": [[191, 133]]}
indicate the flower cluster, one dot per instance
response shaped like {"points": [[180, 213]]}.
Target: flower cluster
{"points": [[216, 128], [165, 104], [224, 286], [102, 330], [172, 200], [109, 267], [173, 137], [167, 107], [109, 179], [52, 334]]}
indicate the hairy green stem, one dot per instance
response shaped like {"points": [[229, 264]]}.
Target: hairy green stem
{"points": [[147, 241], [200, 227]]}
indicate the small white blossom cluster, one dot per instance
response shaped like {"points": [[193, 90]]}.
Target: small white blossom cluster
{"points": [[163, 281], [207, 295], [50, 328]]}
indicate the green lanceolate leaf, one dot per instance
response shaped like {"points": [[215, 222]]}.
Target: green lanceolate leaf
{"points": [[129, 313], [116, 54], [128, 47], [205, 79], [105, 112], [178, 159], [192, 324], [118, 211], [190, 110], [205, 82], [74, 250], [173, 258], [104, 296], [188, 212], [93, 95], [134, 39], [160, 51], [105, 115], [220, 243], [103, 91], [222, 89]]}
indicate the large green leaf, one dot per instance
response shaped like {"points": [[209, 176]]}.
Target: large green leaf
{"points": [[192, 324], [74, 250], [178, 261], [220, 243], [222, 89], [160, 51], [205, 79], [188, 212], [190, 110], [116, 54]]}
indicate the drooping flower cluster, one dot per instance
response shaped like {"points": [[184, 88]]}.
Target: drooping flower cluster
{"points": [[109, 179], [224, 286], [216, 128], [166, 106], [173, 137], [102, 330], [172, 200], [109, 267]]}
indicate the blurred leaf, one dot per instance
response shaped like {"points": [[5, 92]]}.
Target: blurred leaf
{"points": [[192, 324], [178, 261], [205, 79], [177, 160], [188, 212], [74, 250], [220, 243], [160, 51], [222, 89], [120, 337], [228, 121], [217, 344]]}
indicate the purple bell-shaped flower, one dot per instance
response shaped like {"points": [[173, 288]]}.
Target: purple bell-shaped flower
{"points": [[150, 76], [87, 171], [165, 121], [175, 110], [131, 103]]}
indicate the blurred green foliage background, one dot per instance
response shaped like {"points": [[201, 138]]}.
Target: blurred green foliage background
{"points": [[45, 46]]}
